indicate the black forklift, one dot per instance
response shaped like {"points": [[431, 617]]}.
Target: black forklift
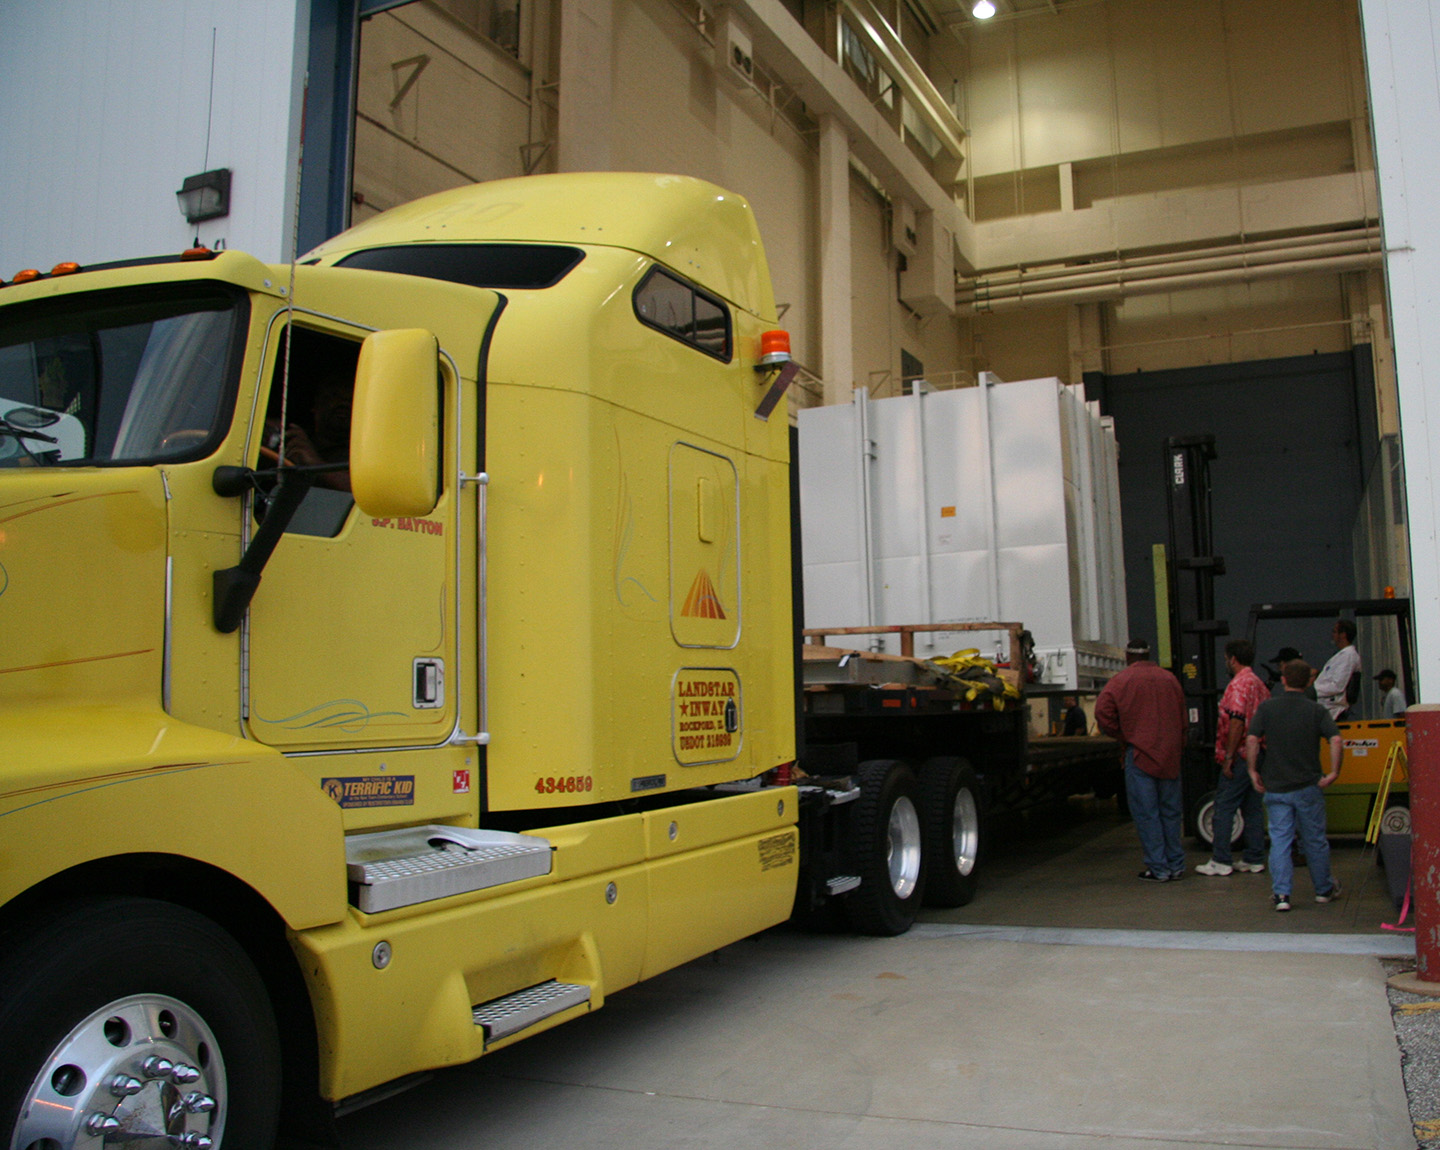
{"points": [[1194, 631], [1188, 587]]}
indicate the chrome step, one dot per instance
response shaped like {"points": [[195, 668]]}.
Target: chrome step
{"points": [[503, 1017], [842, 883], [389, 869]]}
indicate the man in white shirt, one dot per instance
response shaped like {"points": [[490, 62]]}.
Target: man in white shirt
{"points": [[1332, 687], [1392, 702]]}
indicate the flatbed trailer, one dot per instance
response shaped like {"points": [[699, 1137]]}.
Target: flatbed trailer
{"points": [[957, 750]]}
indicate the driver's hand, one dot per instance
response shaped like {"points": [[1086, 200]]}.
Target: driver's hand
{"points": [[298, 448]]}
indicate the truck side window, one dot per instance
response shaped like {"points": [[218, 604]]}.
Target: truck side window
{"points": [[684, 312], [316, 418]]}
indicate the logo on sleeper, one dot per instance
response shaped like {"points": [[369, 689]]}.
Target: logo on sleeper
{"points": [[703, 602]]}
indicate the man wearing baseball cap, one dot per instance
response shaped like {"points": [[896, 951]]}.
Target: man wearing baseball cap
{"points": [[1144, 707], [1277, 665], [1392, 705]]}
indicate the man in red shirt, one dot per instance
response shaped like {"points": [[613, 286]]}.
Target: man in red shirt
{"points": [[1238, 705], [1144, 707]]}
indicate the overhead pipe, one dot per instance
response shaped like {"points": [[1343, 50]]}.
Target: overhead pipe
{"points": [[1355, 239], [983, 289], [1120, 286], [1084, 275]]}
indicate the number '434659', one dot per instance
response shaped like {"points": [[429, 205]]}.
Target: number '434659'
{"points": [[567, 785]]}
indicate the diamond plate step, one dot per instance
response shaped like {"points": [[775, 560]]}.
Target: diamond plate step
{"points": [[390, 869], [513, 1013]]}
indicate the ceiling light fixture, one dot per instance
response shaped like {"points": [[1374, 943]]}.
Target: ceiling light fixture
{"points": [[983, 9]]}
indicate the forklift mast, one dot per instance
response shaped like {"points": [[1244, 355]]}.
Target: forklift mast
{"points": [[1193, 568]]}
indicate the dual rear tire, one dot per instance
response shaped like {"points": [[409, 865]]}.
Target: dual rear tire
{"points": [[950, 798], [915, 840]]}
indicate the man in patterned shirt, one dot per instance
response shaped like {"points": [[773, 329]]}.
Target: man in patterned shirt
{"points": [[1238, 705]]}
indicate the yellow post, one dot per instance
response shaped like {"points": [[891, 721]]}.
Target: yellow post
{"points": [[1162, 604]]}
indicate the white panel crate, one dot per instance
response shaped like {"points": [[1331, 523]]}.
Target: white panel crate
{"points": [[992, 503]]}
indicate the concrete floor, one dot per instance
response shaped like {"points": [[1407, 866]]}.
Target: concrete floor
{"points": [[1074, 865], [1070, 1006]]}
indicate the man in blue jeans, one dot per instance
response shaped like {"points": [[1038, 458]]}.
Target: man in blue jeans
{"points": [[1144, 707], [1233, 791], [1291, 783]]}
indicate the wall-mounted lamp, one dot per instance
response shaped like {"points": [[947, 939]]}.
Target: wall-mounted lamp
{"points": [[206, 196], [983, 9]]}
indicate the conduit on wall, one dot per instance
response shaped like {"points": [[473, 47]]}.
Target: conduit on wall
{"points": [[1331, 252]]}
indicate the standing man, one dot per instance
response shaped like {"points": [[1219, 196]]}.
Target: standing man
{"points": [[1289, 778], [1144, 707], [1075, 721], [1392, 701], [1272, 668], [1333, 687], [1238, 705]]}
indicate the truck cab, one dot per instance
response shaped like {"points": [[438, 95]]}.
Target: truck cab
{"points": [[335, 754]]}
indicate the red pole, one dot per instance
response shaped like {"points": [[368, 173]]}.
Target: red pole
{"points": [[1422, 730]]}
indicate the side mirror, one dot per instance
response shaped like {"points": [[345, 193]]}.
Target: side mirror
{"points": [[395, 426]]}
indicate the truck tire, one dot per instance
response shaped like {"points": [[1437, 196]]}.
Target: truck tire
{"points": [[1205, 822], [952, 830], [887, 849], [130, 1016]]}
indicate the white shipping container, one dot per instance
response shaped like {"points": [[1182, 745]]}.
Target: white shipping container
{"points": [[995, 503]]}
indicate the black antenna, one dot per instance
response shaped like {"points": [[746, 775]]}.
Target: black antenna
{"points": [[210, 109]]}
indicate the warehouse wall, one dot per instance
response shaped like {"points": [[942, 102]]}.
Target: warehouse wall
{"points": [[883, 327], [108, 107], [1125, 80], [437, 105], [1110, 127], [1401, 38]]}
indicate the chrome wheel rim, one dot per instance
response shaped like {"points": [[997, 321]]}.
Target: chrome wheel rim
{"points": [[903, 847], [1205, 824], [965, 831], [145, 1071]]}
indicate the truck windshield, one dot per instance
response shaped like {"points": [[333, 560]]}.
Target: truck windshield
{"points": [[118, 377]]}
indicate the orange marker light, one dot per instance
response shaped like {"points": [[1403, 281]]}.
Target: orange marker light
{"points": [[26, 276], [774, 348], [68, 268], [199, 252]]}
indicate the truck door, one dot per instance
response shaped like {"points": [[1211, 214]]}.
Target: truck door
{"points": [[352, 635]]}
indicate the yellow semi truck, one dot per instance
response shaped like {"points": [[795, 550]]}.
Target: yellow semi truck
{"points": [[397, 657]]}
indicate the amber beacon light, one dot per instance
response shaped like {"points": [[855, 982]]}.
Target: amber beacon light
{"points": [[775, 356], [774, 348]]}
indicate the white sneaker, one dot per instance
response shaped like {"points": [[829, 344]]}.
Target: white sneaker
{"points": [[1214, 869], [1249, 868]]}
